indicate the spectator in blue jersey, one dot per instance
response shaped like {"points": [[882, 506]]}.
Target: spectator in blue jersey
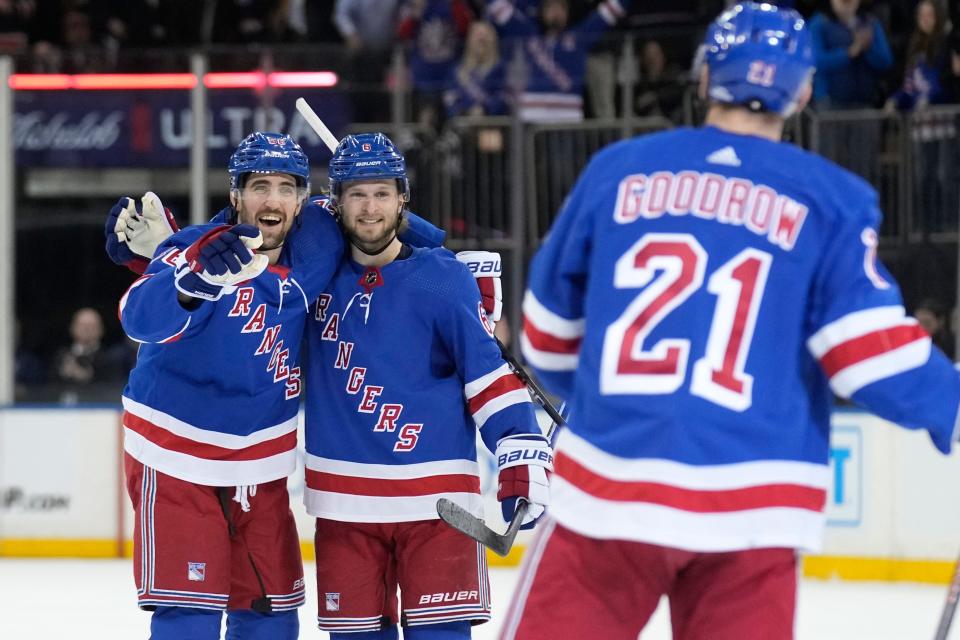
{"points": [[699, 300], [554, 52], [475, 86], [933, 134], [403, 373], [434, 31], [852, 56]]}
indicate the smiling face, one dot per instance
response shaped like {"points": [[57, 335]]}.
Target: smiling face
{"points": [[370, 212], [271, 202]]}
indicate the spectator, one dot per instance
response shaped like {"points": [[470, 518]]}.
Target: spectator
{"points": [[933, 318], [16, 17], [244, 21], [476, 85], [149, 25], [368, 29], [851, 53], [933, 134], [435, 29], [660, 90], [555, 54], [89, 370]]}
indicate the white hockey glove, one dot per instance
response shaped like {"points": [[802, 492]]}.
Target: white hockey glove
{"points": [[219, 260], [134, 232], [486, 267], [523, 462]]}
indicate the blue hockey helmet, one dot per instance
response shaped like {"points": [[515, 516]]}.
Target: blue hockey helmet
{"points": [[367, 156], [758, 56], [264, 152]]}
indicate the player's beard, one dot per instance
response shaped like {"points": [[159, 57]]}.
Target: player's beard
{"points": [[273, 235], [365, 240]]}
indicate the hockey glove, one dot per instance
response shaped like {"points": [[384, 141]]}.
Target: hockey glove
{"points": [[135, 231], [221, 259], [486, 268], [523, 462]]}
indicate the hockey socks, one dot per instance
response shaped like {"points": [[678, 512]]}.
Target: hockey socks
{"points": [[244, 624], [184, 623]]}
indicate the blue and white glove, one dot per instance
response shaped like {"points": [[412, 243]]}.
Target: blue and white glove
{"points": [[219, 260], [523, 462], [134, 231], [487, 268]]}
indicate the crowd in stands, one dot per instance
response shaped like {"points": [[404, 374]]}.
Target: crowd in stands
{"points": [[902, 54]]}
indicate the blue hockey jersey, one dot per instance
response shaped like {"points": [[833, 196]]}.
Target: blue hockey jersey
{"points": [[403, 369], [697, 299], [215, 393]]}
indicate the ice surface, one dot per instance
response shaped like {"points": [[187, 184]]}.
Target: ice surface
{"points": [[50, 599]]}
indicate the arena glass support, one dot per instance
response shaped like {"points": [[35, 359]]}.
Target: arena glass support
{"points": [[199, 204], [8, 319]]}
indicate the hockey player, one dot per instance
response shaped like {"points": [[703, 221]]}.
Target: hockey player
{"points": [[212, 405], [213, 400], [403, 371], [700, 295]]}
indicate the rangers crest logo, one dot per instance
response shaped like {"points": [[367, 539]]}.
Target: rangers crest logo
{"points": [[196, 571], [333, 601], [366, 146]]}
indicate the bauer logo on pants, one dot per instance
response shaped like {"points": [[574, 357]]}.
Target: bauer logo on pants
{"points": [[196, 571], [333, 602]]}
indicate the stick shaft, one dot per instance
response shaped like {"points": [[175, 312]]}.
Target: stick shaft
{"points": [[317, 125]]}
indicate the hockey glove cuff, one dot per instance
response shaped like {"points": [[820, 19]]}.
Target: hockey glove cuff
{"points": [[523, 462], [487, 268]]}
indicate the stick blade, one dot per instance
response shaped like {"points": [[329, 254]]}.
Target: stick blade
{"points": [[472, 526]]}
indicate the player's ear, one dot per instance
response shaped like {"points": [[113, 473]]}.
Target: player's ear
{"points": [[805, 94], [234, 198], [704, 82]]}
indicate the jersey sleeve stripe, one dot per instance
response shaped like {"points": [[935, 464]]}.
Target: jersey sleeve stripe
{"points": [[697, 501], [355, 485], [913, 354], [547, 342], [549, 322], [501, 386], [545, 360], [519, 396], [477, 386], [854, 325], [177, 335], [871, 345]]}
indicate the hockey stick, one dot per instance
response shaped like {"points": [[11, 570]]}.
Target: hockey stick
{"points": [[535, 389], [950, 606], [317, 125], [470, 525]]}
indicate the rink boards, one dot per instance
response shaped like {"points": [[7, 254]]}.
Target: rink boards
{"points": [[893, 506]]}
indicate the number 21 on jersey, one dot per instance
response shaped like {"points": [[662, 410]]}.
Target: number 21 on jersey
{"points": [[670, 267]]}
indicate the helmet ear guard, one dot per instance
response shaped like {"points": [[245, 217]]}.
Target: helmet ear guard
{"points": [[759, 57]]}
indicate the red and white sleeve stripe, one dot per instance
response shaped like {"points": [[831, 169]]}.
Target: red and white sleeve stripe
{"points": [[494, 392], [549, 341], [866, 346]]}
